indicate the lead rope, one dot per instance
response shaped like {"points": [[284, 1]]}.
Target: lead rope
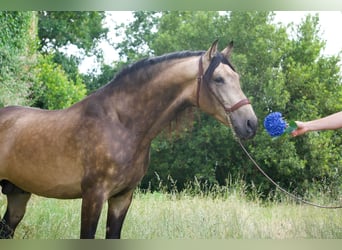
{"points": [[279, 187]]}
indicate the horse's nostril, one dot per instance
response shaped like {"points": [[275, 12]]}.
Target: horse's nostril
{"points": [[251, 127]]}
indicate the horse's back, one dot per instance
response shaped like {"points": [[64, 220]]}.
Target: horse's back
{"points": [[12, 114], [15, 118]]}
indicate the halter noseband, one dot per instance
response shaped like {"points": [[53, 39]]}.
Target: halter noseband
{"points": [[199, 83]]}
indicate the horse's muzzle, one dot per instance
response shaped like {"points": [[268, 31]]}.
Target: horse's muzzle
{"points": [[245, 129]]}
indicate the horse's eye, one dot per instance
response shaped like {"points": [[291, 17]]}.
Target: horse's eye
{"points": [[219, 80]]}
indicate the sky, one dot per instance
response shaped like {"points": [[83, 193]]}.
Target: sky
{"points": [[330, 27]]}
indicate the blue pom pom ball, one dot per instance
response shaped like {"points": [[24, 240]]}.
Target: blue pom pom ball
{"points": [[275, 124]]}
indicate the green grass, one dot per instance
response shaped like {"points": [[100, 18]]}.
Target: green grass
{"points": [[186, 216]]}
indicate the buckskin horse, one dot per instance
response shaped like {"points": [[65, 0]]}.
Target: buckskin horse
{"points": [[98, 149]]}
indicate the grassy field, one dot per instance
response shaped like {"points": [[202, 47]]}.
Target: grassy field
{"points": [[184, 216]]}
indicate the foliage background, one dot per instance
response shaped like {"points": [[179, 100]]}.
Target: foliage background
{"points": [[17, 48], [282, 69]]}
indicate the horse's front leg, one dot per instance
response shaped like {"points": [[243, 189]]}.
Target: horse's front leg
{"points": [[92, 202], [117, 210]]}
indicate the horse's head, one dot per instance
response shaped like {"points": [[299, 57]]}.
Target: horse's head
{"points": [[219, 92]]}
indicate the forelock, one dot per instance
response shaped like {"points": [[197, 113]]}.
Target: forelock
{"points": [[214, 63]]}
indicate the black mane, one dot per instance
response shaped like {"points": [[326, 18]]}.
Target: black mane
{"points": [[147, 62], [141, 71]]}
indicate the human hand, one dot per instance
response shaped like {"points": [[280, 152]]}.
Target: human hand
{"points": [[301, 129]]}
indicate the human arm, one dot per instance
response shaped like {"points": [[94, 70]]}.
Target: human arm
{"points": [[333, 121]]}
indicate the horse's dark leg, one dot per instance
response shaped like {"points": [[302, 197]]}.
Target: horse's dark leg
{"points": [[90, 214], [117, 210], [16, 206]]}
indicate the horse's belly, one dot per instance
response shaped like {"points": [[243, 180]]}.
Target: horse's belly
{"points": [[61, 191], [49, 176], [47, 187], [44, 169]]}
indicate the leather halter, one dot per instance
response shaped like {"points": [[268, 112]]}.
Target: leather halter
{"points": [[199, 83]]}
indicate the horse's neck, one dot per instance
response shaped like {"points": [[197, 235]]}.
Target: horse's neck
{"points": [[147, 108]]}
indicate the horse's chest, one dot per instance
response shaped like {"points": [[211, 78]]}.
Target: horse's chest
{"points": [[116, 170]]}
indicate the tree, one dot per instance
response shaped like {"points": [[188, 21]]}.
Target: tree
{"points": [[17, 56], [94, 81], [138, 35], [59, 83], [278, 73], [57, 29], [314, 84], [53, 89]]}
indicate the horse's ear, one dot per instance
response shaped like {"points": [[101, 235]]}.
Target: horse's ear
{"points": [[228, 50], [211, 51]]}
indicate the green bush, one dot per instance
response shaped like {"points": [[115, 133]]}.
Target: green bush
{"points": [[17, 49], [53, 89]]}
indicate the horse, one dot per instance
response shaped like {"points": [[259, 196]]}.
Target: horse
{"points": [[98, 149]]}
